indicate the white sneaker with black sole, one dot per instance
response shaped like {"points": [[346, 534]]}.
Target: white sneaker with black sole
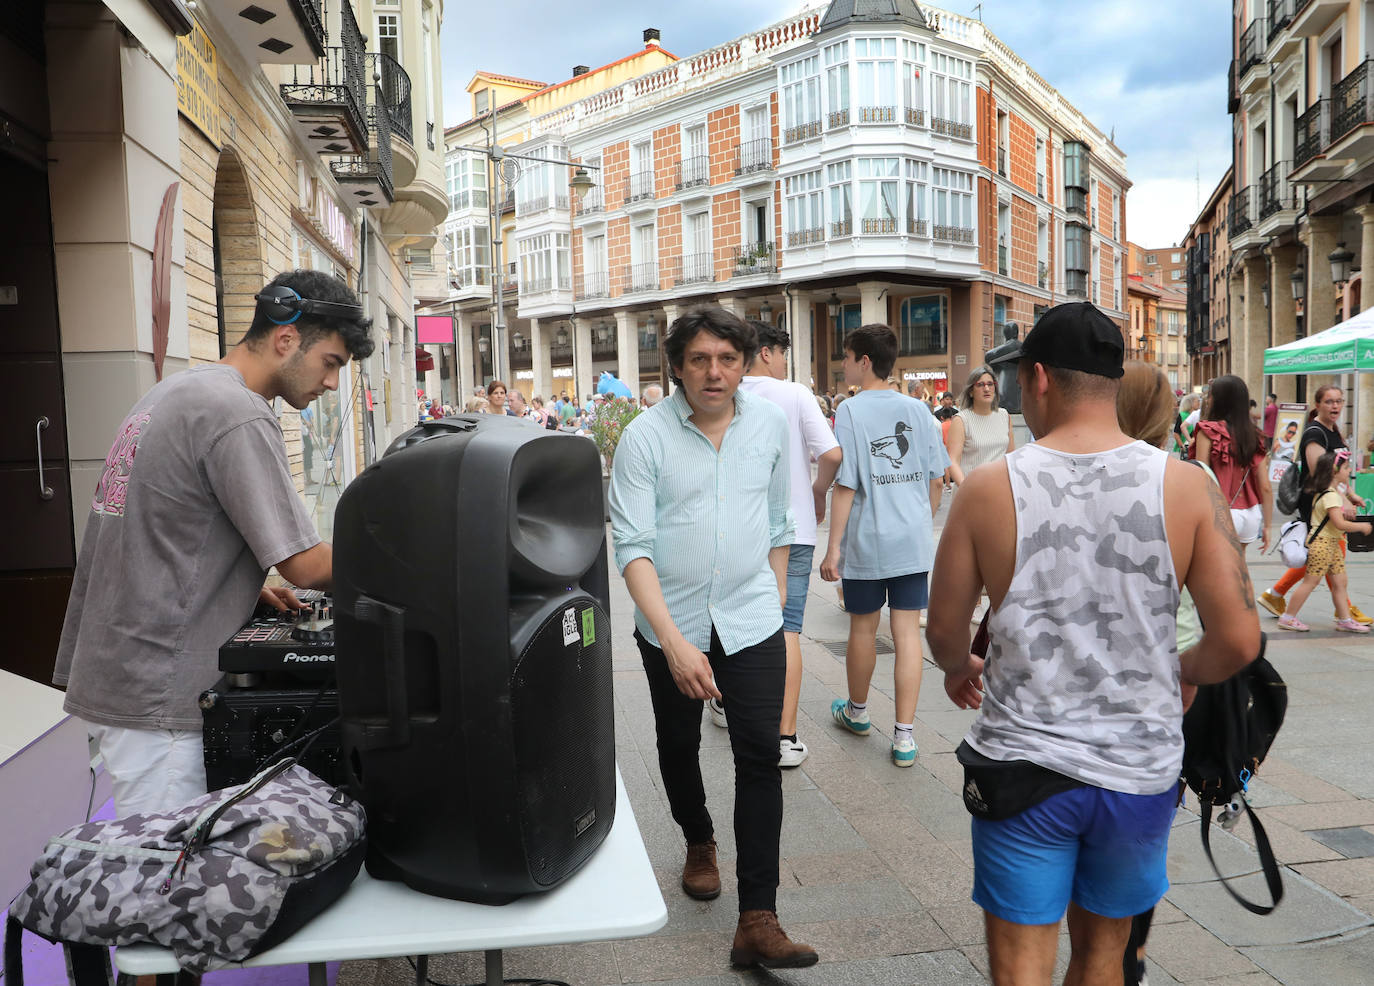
{"points": [[791, 752], [717, 712]]}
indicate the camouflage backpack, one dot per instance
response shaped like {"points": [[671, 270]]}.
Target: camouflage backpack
{"points": [[228, 876]]}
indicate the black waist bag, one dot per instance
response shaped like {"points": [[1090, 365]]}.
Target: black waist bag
{"points": [[998, 789]]}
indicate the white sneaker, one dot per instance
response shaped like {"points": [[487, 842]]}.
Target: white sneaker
{"points": [[717, 712], [791, 754]]}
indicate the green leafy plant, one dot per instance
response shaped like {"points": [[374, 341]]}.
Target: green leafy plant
{"points": [[612, 417]]}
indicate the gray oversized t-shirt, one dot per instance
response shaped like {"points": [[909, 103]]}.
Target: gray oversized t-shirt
{"points": [[195, 503]]}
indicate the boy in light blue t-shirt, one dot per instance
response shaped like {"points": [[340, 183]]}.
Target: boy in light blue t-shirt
{"points": [[882, 535]]}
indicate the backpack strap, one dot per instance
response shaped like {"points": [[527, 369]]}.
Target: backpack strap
{"points": [[1325, 517], [87, 965], [14, 954], [1272, 877]]}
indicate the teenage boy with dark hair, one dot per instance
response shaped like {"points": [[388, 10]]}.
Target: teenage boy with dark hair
{"points": [[195, 504], [811, 438], [882, 537]]}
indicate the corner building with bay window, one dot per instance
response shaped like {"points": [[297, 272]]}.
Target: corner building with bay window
{"points": [[853, 163]]}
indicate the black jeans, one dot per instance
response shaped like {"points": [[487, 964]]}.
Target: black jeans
{"points": [[751, 682]]}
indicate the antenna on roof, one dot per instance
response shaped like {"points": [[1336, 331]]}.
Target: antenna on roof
{"points": [[978, 9]]}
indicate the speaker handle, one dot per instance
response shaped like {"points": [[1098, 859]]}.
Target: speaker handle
{"points": [[391, 619]]}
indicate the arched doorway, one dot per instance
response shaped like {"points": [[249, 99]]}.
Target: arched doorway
{"points": [[238, 271]]}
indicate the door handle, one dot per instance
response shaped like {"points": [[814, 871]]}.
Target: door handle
{"points": [[44, 490]]}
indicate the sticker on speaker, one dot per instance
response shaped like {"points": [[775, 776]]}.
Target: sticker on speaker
{"points": [[570, 634], [588, 627]]}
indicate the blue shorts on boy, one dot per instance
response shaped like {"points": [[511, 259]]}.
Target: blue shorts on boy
{"points": [[892, 451]]}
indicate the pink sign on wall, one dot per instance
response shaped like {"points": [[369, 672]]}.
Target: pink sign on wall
{"points": [[431, 330]]}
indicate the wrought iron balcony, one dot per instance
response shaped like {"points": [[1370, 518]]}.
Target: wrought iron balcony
{"points": [[1240, 218], [541, 203], [639, 278], [1351, 104], [806, 237], [1276, 191], [917, 227], [395, 85], [695, 268], [595, 284], [1002, 259], [754, 258], [754, 156], [1280, 16], [841, 228], [1076, 283], [804, 131], [593, 202], [371, 173], [1043, 274], [877, 114], [1252, 43], [954, 234], [915, 117], [537, 285], [328, 98], [883, 226], [639, 186], [951, 128], [277, 32], [693, 171], [1311, 132], [837, 118], [1002, 161]]}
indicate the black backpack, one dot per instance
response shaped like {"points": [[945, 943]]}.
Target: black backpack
{"points": [[1226, 734], [1290, 487]]}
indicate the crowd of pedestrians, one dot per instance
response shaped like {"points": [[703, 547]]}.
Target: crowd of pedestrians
{"points": [[1105, 571]]}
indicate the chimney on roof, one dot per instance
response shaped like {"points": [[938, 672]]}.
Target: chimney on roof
{"points": [[580, 70], [651, 37]]}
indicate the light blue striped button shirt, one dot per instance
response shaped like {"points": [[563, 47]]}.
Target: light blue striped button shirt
{"points": [[706, 519]]}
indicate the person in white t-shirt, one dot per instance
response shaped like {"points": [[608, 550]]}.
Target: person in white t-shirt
{"points": [[811, 439]]}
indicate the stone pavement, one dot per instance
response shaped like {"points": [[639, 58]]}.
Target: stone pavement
{"points": [[877, 866]]}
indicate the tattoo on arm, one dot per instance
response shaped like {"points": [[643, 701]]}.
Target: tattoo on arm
{"points": [[1221, 520]]}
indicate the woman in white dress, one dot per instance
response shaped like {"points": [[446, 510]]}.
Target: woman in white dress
{"points": [[981, 432]]}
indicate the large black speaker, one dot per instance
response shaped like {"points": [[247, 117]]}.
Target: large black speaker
{"points": [[474, 657]]}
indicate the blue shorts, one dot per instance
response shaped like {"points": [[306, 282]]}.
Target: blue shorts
{"points": [[863, 596], [798, 585], [1104, 850]]}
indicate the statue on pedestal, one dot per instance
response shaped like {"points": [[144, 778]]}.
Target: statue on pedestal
{"points": [[1003, 360]]}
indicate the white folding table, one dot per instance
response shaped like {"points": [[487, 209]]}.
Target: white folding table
{"points": [[614, 895]]}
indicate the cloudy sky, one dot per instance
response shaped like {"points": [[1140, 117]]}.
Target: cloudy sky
{"points": [[1155, 73]]}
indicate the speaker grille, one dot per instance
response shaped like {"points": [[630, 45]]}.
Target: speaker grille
{"points": [[562, 714]]}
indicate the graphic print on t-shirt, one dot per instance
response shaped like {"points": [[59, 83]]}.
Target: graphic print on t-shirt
{"points": [[894, 447], [113, 488]]}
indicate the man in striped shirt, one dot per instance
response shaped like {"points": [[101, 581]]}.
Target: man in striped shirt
{"points": [[701, 520]]}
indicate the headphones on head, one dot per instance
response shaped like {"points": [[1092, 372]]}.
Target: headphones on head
{"points": [[282, 306]]}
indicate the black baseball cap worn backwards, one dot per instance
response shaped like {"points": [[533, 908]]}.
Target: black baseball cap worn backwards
{"points": [[1076, 336]]}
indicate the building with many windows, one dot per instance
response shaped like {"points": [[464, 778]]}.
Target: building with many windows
{"points": [[1160, 266], [1301, 96], [849, 164], [1207, 253]]}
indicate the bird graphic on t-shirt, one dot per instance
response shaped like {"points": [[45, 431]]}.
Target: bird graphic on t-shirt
{"points": [[894, 447]]}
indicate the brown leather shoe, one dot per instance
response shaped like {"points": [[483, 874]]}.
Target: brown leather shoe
{"points": [[700, 875], [760, 940]]}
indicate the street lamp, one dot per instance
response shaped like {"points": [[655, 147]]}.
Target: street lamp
{"points": [[766, 313], [832, 306], [1340, 259], [580, 182], [517, 340], [483, 345], [1264, 293], [562, 337], [1298, 282]]}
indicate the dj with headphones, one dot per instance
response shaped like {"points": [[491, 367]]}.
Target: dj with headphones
{"points": [[194, 505]]}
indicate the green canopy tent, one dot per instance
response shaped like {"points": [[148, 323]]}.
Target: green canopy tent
{"points": [[1344, 348]]}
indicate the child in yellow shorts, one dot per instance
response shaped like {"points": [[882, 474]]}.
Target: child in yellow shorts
{"points": [[1326, 552]]}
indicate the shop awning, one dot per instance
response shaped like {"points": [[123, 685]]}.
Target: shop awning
{"points": [[1344, 348], [424, 361]]}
